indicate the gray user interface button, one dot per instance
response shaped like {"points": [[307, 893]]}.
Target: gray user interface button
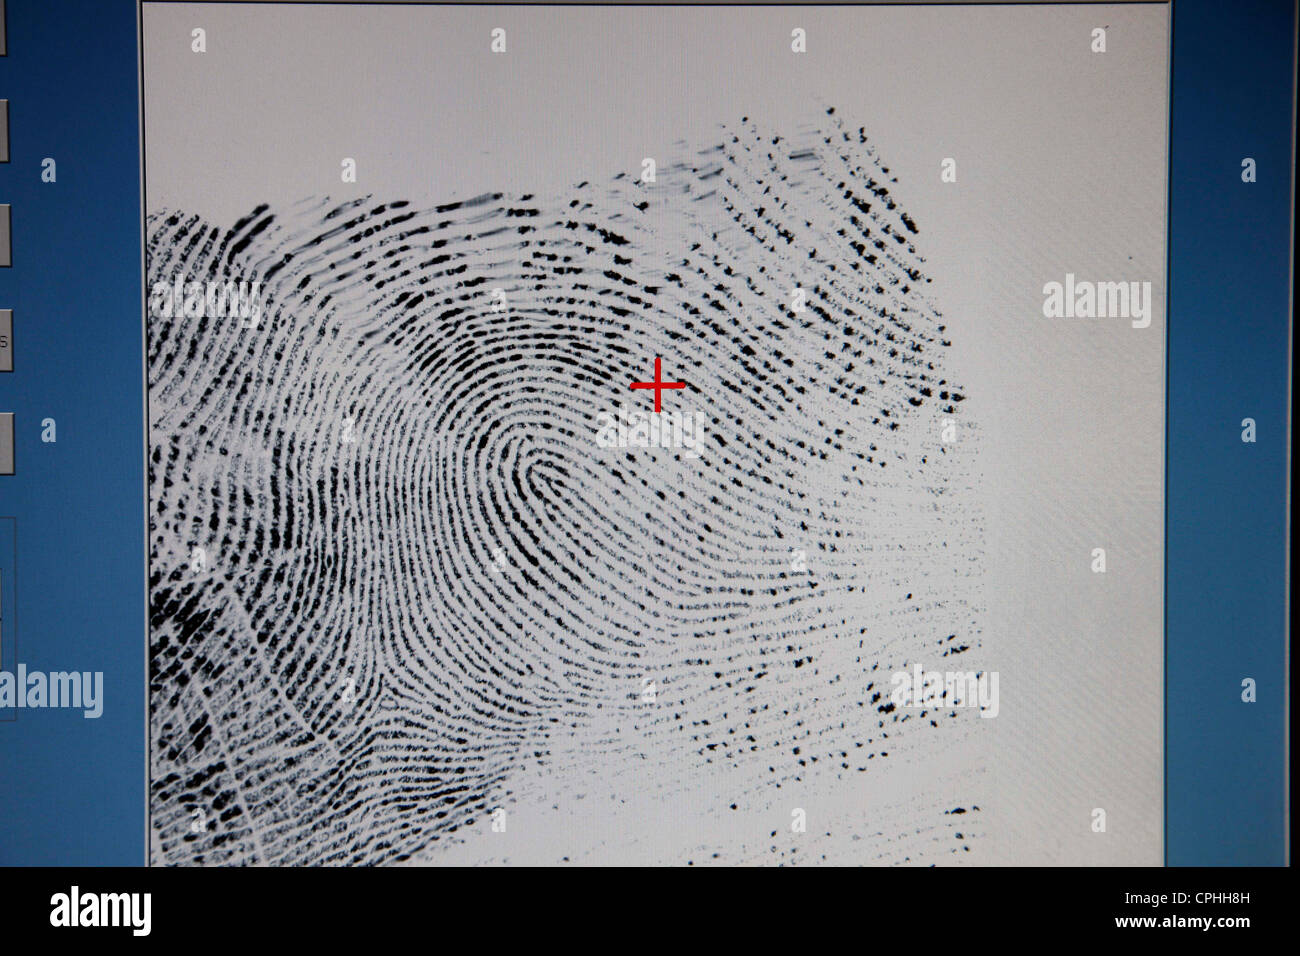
{"points": [[6, 443]]}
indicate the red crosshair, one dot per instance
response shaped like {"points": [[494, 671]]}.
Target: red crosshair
{"points": [[658, 385]]}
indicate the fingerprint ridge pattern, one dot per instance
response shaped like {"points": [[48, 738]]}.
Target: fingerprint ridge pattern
{"points": [[425, 593]]}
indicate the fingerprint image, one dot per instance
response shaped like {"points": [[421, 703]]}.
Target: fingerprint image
{"points": [[408, 603]]}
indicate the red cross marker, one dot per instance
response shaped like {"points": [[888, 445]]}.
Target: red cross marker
{"points": [[658, 385]]}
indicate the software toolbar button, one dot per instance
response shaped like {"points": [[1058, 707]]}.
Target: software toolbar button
{"points": [[6, 443]]}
